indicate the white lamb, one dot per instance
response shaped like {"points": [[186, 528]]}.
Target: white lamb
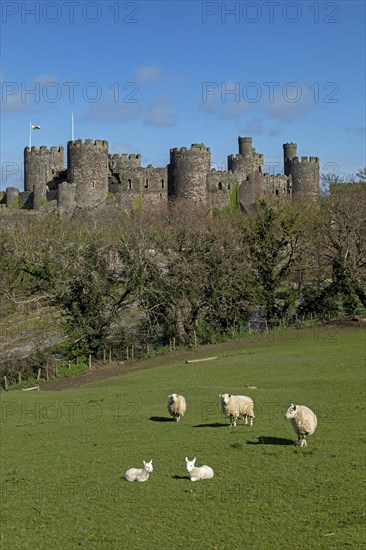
{"points": [[139, 474], [237, 406], [197, 473], [303, 420], [176, 406]]}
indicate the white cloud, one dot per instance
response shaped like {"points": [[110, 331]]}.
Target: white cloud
{"points": [[253, 127], [113, 113], [274, 132], [148, 74], [122, 147], [233, 110], [160, 114], [292, 103]]}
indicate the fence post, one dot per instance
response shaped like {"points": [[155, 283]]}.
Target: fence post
{"points": [[6, 383], [110, 355], [90, 361]]}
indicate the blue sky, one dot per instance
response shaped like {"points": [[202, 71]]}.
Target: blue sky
{"points": [[148, 76]]}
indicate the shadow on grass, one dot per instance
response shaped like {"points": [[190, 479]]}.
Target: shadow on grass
{"points": [[161, 419], [180, 477], [215, 425], [269, 440]]}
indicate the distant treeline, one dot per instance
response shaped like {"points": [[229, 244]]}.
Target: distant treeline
{"points": [[182, 273]]}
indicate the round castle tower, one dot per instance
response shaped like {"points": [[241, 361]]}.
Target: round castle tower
{"points": [[87, 169], [41, 167], [289, 152], [247, 168], [304, 172], [247, 161], [187, 173]]}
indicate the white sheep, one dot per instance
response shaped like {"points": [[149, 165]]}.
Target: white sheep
{"points": [[237, 406], [303, 420], [197, 473], [176, 406], [139, 474]]}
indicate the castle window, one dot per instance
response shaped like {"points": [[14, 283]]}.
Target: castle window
{"points": [[277, 192], [146, 184], [228, 186], [220, 186], [162, 184], [260, 169], [93, 184], [129, 184]]}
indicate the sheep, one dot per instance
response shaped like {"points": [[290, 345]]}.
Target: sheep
{"points": [[176, 406], [237, 406], [142, 474], [196, 473], [303, 420]]}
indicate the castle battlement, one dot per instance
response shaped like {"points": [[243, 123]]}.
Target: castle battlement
{"points": [[124, 156], [98, 143], [195, 149], [239, 157], [305, 160], [93, 176], [43, 150]]}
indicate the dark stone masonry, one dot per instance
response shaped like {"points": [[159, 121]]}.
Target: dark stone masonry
{"points": [[93, 178]]}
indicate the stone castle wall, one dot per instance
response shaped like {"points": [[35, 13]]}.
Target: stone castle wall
{"points": [[188, 171], [94, 178], [87, 168], [42, 166]]}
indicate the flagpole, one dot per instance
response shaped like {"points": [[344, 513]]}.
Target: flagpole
{"points": [[30, 135], [72, 126]]}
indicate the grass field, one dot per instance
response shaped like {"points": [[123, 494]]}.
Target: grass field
{"points": [[64, 453]]}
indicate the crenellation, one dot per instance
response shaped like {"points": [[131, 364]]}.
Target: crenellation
{"points": [[92, 176]]}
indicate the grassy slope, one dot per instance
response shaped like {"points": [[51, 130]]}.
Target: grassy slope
{"points": [[64, 454]]}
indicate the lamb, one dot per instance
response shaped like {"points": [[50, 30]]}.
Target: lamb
{"points": [[142, 474], [237, 406], [176, 406], [197, 473], [303, 420]]}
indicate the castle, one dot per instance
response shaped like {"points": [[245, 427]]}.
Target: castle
{"points": [[94, 178]]}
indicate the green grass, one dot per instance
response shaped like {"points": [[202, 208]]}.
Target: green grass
{"points": [[64, 453]]}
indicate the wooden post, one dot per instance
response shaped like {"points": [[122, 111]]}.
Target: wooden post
{"points": [[47, 377], [19, 377], [249, 329], [170, 345], [127, 356], [110, 355], [39, 374], [77, 359], [266, 325], [148, 350], [195, 338], [6, 383], [104, 356], [132, 352], [174, 343], [90, 361]]}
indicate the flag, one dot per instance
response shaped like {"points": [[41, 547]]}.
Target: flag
{"points": [[36, 127]]}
